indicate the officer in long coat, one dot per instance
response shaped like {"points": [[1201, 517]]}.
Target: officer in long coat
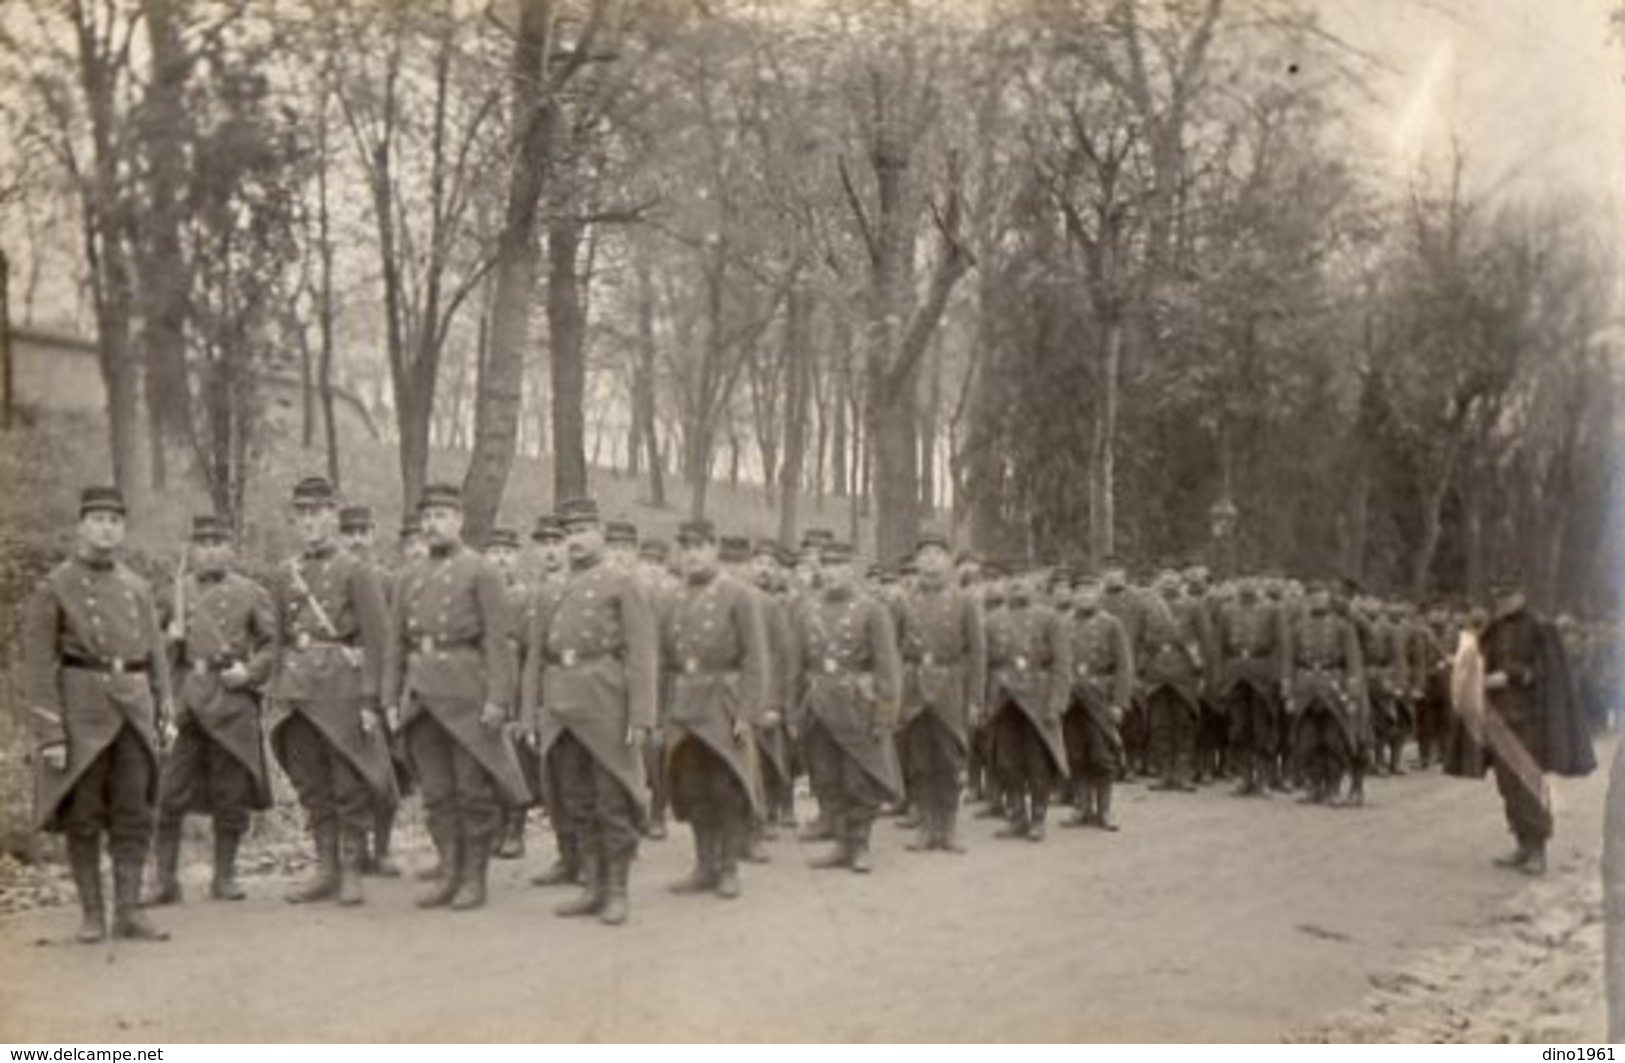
{"points": [[547, 538], [1171, 673], [358, 534], [447, 681], [944, 648], [326, 725], [1322, 667], [778, 759], [98, 690], [223, 656], [714, 649], [1102, 684], [502, 550], [1029, 663], [1529, 689], [1250, 642], [596, 650], [846, 681], [1132, 609]]}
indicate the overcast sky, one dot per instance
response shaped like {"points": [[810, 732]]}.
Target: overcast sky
{"points": [[1535, 89]]}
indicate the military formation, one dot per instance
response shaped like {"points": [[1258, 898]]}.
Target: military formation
{"points": [[608, 685]]}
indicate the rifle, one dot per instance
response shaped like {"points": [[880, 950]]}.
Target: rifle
{"points": [[352, 656]]}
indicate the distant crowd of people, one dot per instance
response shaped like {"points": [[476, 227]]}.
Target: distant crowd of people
{"points": [[615, 682]]}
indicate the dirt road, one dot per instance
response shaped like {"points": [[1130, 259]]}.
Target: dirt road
{"points": [[1208, 918]]}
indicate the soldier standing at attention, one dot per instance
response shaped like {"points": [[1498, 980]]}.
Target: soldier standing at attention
{"points": [[217, 764], [548, 540], [1103, 663], [1029, 665], [1250, 644], [944, 648], [598, 659], [1322, 665], [502, 550], [326, 726], [774, 740], [448, 677], [358, 534], [1172, 673], [98, 691], [846, 677], [714, 648]]}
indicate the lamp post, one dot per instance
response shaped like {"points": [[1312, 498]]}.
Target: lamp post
{"points": [[1222, 517]]}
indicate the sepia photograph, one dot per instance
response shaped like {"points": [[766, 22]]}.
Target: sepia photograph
{"points": [[731, 522]]}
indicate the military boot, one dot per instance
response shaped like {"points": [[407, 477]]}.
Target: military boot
{"points": [[926, 838], [380, 860], [590, 901], [861, 862], [352, 850], [1516, 859], [948, 828], [566, 869], [1016, 822], [1536, 864], [1103, 803], [730, 840], [841, 855], [1035, 824], [449, 852], [224, 887], [129, 921], [511, 837], [617, 870], [476, 862], [707, 851], [166, 849], [85, 858], [324, 882]]}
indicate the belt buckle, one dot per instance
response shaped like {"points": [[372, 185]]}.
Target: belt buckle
{"points": [[1021, 664], [829, 666], [927, 660], [302, 640], [116, 666], [691, 666], [1083, 671], [426, 644], [568, 658]]}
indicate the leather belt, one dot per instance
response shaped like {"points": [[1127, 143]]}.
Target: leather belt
{"points": [[304, 640], [691, 667], [430, 644], [931, 660], [104, 665], [212, 665], [576, 658]]}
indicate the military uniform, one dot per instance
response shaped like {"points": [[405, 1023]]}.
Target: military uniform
{"points": [[981, 774], [944, 651], [1171, 670], [1534, 700], [332, 630], [1250, 643], [1322, 676], [596, 650], [1102, 685], [217, 763], [847, 682], [1132, 610], [1388, 686], [97, 681], [1029, 662], [772, 734], [450, 672], [714, 649]]}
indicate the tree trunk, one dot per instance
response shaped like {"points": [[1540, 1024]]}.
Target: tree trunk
{"points": [[501, 384], [567, 328], [796, 369], [1103, 535], [643, 387], [1613, 881], [324, 308], [163, 280], [930, 420]]}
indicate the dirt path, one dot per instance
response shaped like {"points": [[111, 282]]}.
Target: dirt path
{"points": [[1208, 918]]}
